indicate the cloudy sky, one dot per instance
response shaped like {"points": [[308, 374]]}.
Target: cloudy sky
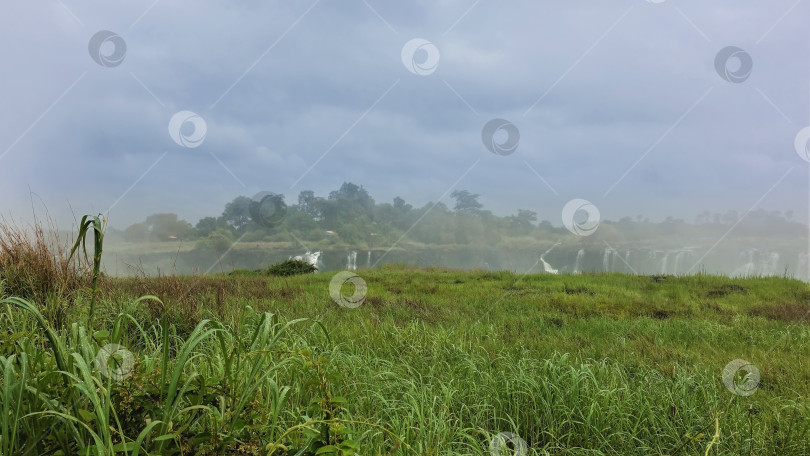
{"points": [[623, 103]]}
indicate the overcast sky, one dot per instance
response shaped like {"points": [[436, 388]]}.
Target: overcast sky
{"points": [[619, 103]]}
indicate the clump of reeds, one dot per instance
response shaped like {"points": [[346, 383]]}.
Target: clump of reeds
{"points": [[35, 262]]}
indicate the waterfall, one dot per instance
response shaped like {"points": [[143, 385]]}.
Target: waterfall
{"points": [[313, 258], [547, 267], [802, 271], [748, 267], [664, 263], [578, 261], [351, 261], [606, 259], [745, 270], [760, 260], [677, 262], [770, 265]]}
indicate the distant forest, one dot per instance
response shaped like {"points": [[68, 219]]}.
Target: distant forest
{"points": [[349, 216]]}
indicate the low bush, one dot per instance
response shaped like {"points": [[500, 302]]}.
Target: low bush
{"points": [[291, 268]]}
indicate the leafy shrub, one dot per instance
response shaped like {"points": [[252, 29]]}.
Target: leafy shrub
{"points": [[219, 241], [290, 268]]}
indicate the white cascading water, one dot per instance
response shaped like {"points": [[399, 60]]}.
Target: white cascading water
{"points": [[313, 258], [748, 267], [547, 267], [745, 270], [606, 259], [368, 259], [678, 258], [764, 266], [802, 270], [351, 261], [664, 263], [770, 265], [578, 261]]}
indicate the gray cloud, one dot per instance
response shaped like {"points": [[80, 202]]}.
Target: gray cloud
{"points": [[279, 86]]}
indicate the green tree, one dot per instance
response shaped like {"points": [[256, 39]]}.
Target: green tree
{"points": [[165, 227], [524, 221], [237, 214], [218, 241], [399, 204], [159, 227], [208, 225], [137, 232], [300, 221], [466, 201], [309, 204], [349, 211]]}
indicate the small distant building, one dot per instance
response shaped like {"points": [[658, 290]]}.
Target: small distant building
{"points": [[331, 233]]}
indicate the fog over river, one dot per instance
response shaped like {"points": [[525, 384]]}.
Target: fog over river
{"points": [[552, 259]]}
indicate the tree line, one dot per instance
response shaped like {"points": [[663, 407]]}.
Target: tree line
{"points": [[350, 216]]}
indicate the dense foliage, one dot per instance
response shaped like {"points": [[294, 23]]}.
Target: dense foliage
{"points": [[291, 267], [350, 216]]}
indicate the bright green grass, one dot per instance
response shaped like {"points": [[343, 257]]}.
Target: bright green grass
{"points": [[433, 362]]}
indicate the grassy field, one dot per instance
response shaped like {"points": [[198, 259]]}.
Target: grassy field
{"points": [[432, 362]]}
